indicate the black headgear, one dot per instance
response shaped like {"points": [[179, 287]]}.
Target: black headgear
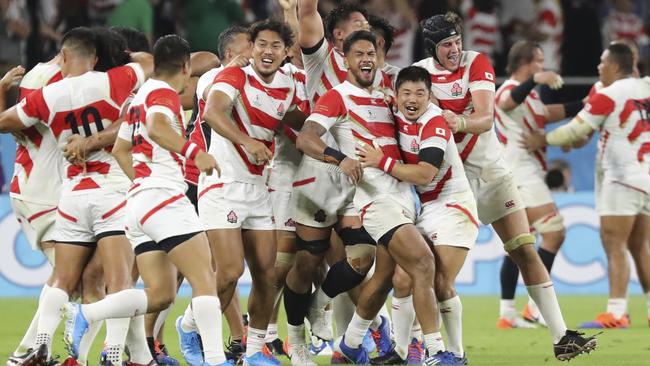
{"points": [[437, 29]]}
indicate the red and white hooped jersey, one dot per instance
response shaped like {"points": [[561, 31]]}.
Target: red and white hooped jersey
{"points": [[621, 112], [430, 130], [453, 92], [258, 109], [325, 69], [357, 118], [551, 25], [37, 170], [526, 118], [155, 167], [197, 135], [84, 104], [286, 157]]}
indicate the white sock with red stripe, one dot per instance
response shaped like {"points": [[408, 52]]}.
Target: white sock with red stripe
{"points": [[546, 300], [451, 311], [403, 315]]}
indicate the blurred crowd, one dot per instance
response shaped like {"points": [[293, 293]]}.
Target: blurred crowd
{"points": [[572, 31]]}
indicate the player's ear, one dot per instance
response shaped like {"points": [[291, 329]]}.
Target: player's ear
{"points": [[380, 43]]}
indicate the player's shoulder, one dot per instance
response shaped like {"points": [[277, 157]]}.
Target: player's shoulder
{"points": [[427, 64], [433, 115], [40, 75]]}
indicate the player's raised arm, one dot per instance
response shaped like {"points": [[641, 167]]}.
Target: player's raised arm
{"points": [[510, 99], [202, 62], [145, 60], [311, 29], [7, 80]]}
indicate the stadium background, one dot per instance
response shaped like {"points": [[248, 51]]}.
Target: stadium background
{"points": [[580, 269], [585, 27]]}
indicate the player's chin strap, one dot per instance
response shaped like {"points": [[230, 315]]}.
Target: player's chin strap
{"points": [[434, 37], [519, 240]]}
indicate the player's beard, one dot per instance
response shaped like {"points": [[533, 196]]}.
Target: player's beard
{"points": [[360, 80]]}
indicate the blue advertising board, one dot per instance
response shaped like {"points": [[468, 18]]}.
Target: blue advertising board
{"points": [[580, 267]]}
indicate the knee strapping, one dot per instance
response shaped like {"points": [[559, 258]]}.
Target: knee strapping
{"points": [[314, 247], [284, 259], [351, 236], [519, 240], [552, 222]]}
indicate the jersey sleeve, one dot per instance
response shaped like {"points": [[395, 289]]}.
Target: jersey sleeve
{"points": [[314, 59], [124, 80], [329, 108], [481, 74], [230, 81], [595, 112], [164, 101], [33, 109], [126, 131], [435, 133]]}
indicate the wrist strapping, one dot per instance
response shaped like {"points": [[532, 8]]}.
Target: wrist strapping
{"points": [[387, 164], [333, 155], [462, 124], [521, 91], [190, 150]]}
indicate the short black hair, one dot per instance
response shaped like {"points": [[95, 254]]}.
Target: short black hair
{"points": [[136, 41], [170, 53], [228, 36], [111, 49], [81, 40], [414, 74], [382, 27], [340, 14], [360, 35], [621, 54], [281, 28]]}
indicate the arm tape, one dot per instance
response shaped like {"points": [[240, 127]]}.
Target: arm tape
{"points": [[432, 155], [569, 133], [333, 154], [521, 91]]}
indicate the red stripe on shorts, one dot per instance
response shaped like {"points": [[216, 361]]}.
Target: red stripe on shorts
{"points": [[304, 182], [465, 211], [160, 205], [113, 210], [39, 214], [214, 186], [66, 216]]}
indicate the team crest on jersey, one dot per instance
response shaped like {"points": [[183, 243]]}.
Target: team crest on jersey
{"points": [[290, 223], [232, 217], [456, 90], [281, 109], [320, 216], [415, 147], [256, 101]]}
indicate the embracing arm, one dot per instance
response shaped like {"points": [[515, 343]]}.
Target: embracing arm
{"points": [[122, 153]]}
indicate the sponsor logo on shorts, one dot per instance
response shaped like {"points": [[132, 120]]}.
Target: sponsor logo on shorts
{"points": [[434, 237], [232, 217], [320, 216], [290, 223], [456, 90], [273, 219], [510, 204]]}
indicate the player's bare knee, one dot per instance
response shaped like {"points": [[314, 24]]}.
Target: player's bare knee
{"points": [[444, 287], [402, 284], [231, 273]]}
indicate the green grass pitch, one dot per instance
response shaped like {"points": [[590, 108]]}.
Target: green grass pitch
{"points": [[484, 344]]}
